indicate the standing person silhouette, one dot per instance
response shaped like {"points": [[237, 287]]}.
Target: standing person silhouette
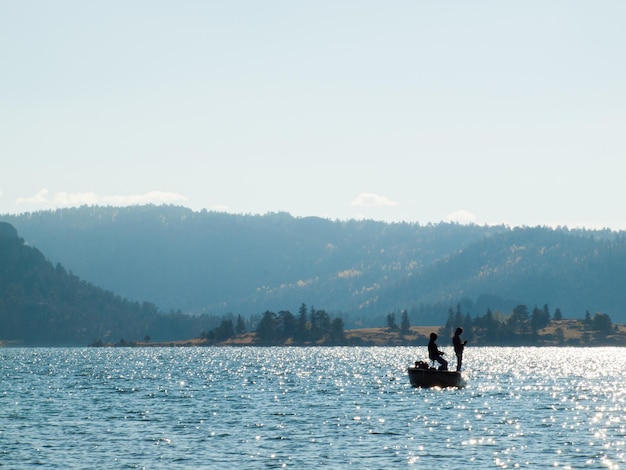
{"points": [[459, 346], [434, 354]]}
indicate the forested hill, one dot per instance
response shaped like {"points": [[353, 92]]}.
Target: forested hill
{"points": [[247, 264], [41, 304], [575, 271]]}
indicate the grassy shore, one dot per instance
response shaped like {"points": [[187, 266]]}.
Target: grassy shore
{"points": [[558, 333]]}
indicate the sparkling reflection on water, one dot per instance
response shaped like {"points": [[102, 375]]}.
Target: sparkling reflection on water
{"points": [[309, 407]]}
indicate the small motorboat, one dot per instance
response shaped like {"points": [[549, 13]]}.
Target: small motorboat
{"points": [[421, 375]]}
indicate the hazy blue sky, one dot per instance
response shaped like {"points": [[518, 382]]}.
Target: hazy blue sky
{"points": [[483, 111]]}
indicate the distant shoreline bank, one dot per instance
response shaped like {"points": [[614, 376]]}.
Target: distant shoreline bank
{"points": [[565, 333], [560, 333]]}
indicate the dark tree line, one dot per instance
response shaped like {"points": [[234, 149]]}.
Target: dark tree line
{"points": [[310, 326], [405, 324], [519, 327], [226, 329]]}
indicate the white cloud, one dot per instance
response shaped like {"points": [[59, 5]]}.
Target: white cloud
{"points": [[40, 198], [373, 200], [75, 199], [462, 217], [65, 199]]}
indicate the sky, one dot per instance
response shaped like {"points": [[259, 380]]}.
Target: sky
{"points": [[486, 112]]}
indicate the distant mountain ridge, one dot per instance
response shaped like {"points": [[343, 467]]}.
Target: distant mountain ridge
{"points": [[210, 262]]}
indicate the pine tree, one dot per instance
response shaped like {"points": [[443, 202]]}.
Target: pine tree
{"points": [[266, 329], [558, 315], [405, 325], [240, 327]]}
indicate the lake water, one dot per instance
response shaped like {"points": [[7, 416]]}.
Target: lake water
{"points": [[309, 408]]}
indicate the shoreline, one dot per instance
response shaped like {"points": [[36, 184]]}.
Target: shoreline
{"points": [[559, 333]]}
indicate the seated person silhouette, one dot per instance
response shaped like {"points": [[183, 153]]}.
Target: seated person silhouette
{"points": [[434, 354]]}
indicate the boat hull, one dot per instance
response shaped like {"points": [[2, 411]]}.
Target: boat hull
{"points": [[427, 378]]}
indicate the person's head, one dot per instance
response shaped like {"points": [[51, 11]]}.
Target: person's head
{"points": [[433, 336], [458, 331]]}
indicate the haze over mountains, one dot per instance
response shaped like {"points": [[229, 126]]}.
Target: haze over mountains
{"points": [[42, 304], [216, 263]]}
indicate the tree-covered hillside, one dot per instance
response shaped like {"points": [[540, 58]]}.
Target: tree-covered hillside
{"points": [[44, 304], [577, 271], [218, 263]]}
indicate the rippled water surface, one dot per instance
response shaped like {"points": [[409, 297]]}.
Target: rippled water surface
{"points": [[309, 407]]}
